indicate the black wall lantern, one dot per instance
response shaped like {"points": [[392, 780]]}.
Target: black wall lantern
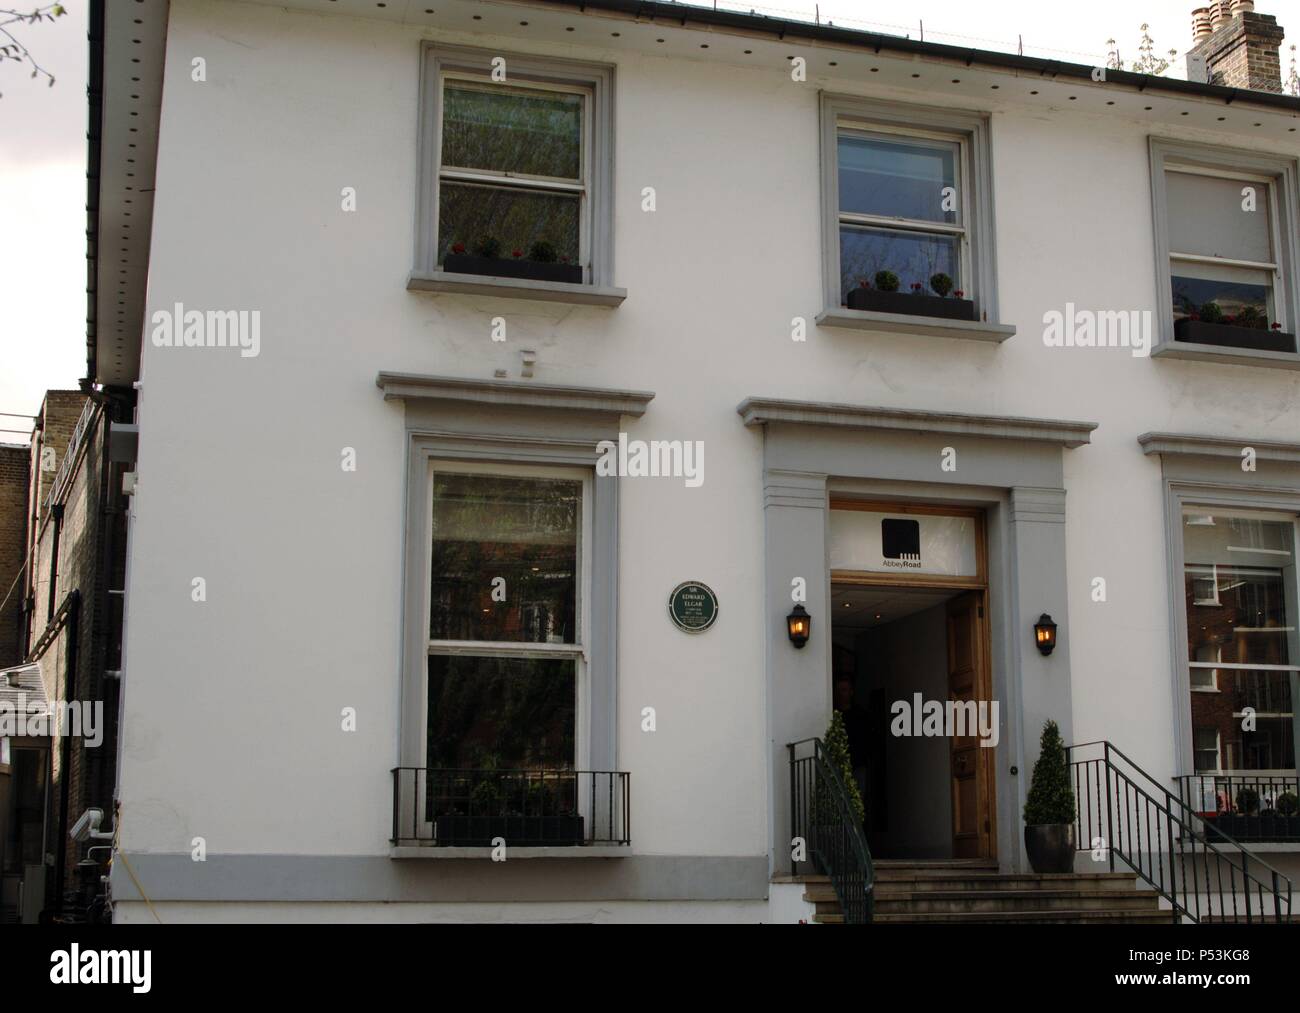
{"points": [[1045, 634], [798, 624]]}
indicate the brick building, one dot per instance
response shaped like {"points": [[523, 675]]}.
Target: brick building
{"points": [[74, 548]]}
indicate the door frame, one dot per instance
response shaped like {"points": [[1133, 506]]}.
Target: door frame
{"points": [[988, 839]]}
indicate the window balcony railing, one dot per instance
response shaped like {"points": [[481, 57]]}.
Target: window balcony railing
{"points": [[1245, 806], [522, 808]]}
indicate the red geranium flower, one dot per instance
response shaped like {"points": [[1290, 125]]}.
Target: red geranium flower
{"points": [[457, 247], [516, 253]]}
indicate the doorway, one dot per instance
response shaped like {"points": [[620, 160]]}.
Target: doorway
{"points": [[911, 678]]}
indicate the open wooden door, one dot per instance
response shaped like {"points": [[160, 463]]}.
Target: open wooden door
{"points": [[971, 767]]}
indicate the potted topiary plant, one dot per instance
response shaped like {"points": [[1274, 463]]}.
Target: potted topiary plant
{"points": [[825, 813], [885, 298], [542, 262], [1049, 809], [1248, 328]]}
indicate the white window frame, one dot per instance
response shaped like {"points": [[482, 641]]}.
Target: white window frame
{"points": [[527, 182], [1280, 174], [596, 82], [577, 652], [970, 130], [1228, 512], [853, 128], [1218, 753]]}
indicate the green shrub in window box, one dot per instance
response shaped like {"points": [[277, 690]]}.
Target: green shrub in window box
{"points": [[885, 298]]}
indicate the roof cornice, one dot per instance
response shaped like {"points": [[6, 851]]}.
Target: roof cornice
{"points": [[782, 29]]}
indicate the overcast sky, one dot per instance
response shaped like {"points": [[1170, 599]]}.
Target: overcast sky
{"points": [[43, 146]]}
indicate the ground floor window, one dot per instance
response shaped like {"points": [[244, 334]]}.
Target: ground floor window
{"points": [[1243, 663], [507, 625]]}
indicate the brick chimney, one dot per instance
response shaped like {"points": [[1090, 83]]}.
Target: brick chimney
{"points": [[1241, 49]]}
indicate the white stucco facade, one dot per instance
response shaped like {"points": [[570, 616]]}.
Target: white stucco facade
{"points": [[232, 721]]}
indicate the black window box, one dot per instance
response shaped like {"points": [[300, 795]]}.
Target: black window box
{"points": [[512, 267], [1233, 336], [1253, 828], [876, 301], [516, 831]]}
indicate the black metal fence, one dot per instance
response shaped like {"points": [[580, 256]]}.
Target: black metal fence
{"points": [[1205, 875], [1245, 806], [522, 808], [822, 817]]}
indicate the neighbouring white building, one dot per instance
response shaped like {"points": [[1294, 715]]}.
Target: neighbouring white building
{"points": [[510, 372]]}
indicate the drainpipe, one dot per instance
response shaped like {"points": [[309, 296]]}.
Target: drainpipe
{"points": [[56, 514]]}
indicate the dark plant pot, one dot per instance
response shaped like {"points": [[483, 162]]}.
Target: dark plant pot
{"points": [[1232, 336], [512, 267], [516, 831], [876, 301], [1215, 829], [1050, 847]]}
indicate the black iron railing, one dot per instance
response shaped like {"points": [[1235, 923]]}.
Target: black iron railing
{"points": [[823, 818], [521, 808], [1245, 806], [1125, 813]]}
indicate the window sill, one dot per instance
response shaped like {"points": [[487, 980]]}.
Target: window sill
{"points": [[895, 323], [483, 854], [1217, 353], [515, 288]]}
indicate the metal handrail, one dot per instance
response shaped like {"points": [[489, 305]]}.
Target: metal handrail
{"points": [[823, 816], [1145, 831]]}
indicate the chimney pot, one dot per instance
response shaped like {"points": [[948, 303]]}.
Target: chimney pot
{"points": [[1201, 24]]}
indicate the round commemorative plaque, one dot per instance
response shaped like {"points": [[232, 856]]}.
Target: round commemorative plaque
{"points": [[693, 606]]}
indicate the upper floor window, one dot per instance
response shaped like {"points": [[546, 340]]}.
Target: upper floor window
{"points": [[901, 211], [908, 217], [516, 174], [512, 177], [1225, 227]]}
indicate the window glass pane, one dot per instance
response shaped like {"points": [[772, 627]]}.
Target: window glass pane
{"points": [[1206, 747], [901, 178], [514, 217], [1240, 293], [913, 256], [1206, 217], [523, 531], [501, 713], [517, 130], [1240, 582]]}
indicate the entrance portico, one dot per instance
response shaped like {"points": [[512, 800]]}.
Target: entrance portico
{"points": [[1008, 469]]}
